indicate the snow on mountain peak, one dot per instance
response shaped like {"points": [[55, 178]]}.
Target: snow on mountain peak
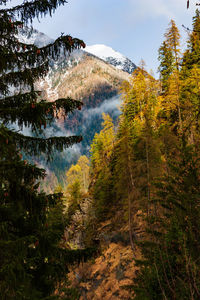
{"points": [[111, 56], [104, 52]]}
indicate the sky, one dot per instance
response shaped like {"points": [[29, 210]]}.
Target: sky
{"points": [[133, 27]]}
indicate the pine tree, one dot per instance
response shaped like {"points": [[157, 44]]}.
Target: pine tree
{"points": [[33, 263], [170, 260]]}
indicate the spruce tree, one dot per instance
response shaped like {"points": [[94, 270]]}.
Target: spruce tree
{"points": [[169, 54], [192, 54], [166, 64], [33, 261]]}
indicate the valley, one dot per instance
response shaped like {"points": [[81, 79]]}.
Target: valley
{"points": [[93, 79]]}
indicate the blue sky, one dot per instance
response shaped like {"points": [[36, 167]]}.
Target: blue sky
{"points": [[133, 27]]}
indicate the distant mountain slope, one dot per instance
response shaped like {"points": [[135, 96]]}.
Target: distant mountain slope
{"points": [[93, 76], [95, 82], [84, 77]]}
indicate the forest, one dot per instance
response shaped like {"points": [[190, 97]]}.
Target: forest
{"points": [[138, 191]]}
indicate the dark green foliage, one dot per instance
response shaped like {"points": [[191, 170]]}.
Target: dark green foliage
{"points": [[103, 194], [166, 64], [32, 114], [192, 54], [34, 145], [29, 10], [170, 269], [33, 259]]}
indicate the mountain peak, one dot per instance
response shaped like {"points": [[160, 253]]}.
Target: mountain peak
{"points": [[111, 56], [103, 51], [32, 36]]}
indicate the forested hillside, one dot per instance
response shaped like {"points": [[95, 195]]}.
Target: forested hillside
{"points": [[144, 183]]}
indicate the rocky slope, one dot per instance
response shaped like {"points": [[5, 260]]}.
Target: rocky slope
{"points": [[111, 273]]}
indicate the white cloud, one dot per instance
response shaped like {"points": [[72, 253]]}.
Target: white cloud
{"points": [[170, 9], [108, 106], [153, 8]]}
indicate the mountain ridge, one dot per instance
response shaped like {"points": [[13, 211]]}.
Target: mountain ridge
{"points": [[106, 53]]}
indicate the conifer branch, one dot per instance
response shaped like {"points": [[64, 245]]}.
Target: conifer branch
{"points": [[29, 10], [22, 168], [35, 146], [34, 114], [18, 100], [26, 77]]}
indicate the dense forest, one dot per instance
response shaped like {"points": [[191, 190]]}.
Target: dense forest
{"points": [[149, 163], [142, 175]]}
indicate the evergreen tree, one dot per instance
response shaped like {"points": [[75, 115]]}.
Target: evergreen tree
{"points": [[170, 260], [33, 262], [169, 56], [101, 155], [192, 54], [137, 157], [190, 76], [170, 263], [166, 64], [172, 36]]}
